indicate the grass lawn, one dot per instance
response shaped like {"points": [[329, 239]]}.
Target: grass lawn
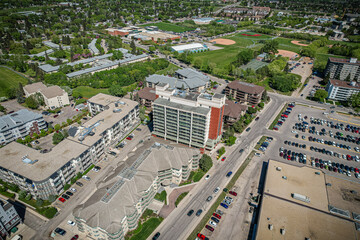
{"points": [[169, 27], [180, 197], [277, 117], [9, 79], [169, 70], [88, 92], [285, 44], [161, 196], [147, 228], [198, 175]]}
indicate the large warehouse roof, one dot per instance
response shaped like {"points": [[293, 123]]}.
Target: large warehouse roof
{"points": [[188, 46]]}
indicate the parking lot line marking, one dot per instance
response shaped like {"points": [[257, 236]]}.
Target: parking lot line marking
{"points": [[344, 121]]}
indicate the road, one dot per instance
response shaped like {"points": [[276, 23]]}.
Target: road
{"points": [[178, 225]]}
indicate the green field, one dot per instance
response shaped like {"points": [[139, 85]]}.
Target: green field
{"points": [[169, 27], [169, 70], [88, 92], [9, 79], [39, 50], [147, 228]]}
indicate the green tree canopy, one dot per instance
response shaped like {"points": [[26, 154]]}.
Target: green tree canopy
{"points": [[205, 163], [320, 94]]}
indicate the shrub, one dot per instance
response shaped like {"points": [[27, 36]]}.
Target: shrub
{"points": [[28, 197], [67, 186], [39, 202], [50, 212], [52, 198]]}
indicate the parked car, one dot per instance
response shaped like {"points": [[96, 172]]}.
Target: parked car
{"points": [[60, 231], [75, 237], [224, 205], [156, 236], [65, 196], [217, 215], [79, 184], [233, 193], [71, 223], [69, 193], [73, 189], [209, 228], [223, 159], [62, 199], [86, 178]]}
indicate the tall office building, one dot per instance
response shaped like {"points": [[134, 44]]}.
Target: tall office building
{"points": [[338, 68], [193, 119]]}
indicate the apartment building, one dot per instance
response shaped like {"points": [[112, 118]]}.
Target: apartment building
{"points": [[147, 96], [192, 119], [9, 218], [343, 69], [341, 90], [244, 92], [54, 96], [44, 174], [19, 125], [119, 201]]}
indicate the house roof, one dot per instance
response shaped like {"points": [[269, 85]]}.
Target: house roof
{"points": [[34, 87], [344, 84], [147, 93], [53, 91], [246, 87], [233, 109]]}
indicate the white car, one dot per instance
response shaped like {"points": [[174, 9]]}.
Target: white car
{"points": [[216, 190], [71, 223], [257, 154], [86, 178], [207, 177], [212, 223], [73, 189], [293, 131]]}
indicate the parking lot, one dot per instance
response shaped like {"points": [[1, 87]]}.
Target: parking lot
{"points": [[320, 139], [58, 118]]}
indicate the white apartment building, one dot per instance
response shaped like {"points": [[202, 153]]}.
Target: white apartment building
{"points": [[192, 119], [100, 102], [9, 218], [338, 68], [20, 124], [341, 90], [119, 201], [54, 96], [45, 174]]}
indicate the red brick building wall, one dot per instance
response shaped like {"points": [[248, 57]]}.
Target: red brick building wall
{"points": [[216, 119]]}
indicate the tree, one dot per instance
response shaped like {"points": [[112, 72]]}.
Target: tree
{"points": [[270, 47], [221, 151], [52, 198], [117, 55], [57, 127], [28, 197], [31, 102], [67, 186], [2, 108], [22, 194], [205, 163], [320, 95], [50, 212], [133, 47], [39, 202], [57, 138], [354, 100], [244, 57], [231, 141]]}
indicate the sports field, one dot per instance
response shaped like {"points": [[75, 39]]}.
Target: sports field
{"points": [[9, 79], [169, 27]]}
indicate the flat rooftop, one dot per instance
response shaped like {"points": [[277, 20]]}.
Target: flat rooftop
{"points": [[106, 120], [103, 99], [301, 222], [198, 110], [301, 180], [47, 163]]}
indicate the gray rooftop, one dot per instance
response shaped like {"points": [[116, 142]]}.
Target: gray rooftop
{"points": [[104, 66], [147, 161], [93, 48], [47, 164], [197, 110], [186, 83], [103, 99], [191, 73], [54, 45], [42, 54], [18, 118]]}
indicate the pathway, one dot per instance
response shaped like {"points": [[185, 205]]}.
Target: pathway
{"points": [[167, 209]]}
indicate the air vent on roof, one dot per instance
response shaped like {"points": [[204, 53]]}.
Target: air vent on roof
{"points": [[278, 168], [26, 160], [282, 231], [271, 227], [339, 211], [300, 197]]}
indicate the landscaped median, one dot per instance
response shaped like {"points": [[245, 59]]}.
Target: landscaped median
{"points": [[180, 197], [220, 198], [277, 117], [261, 141]]}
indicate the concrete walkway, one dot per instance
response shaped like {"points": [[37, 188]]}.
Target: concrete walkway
{"points": [[167, 209]]}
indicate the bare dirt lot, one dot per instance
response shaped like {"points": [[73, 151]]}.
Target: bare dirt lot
{"points": [[223, 41], [299, 44], [289, 54]]}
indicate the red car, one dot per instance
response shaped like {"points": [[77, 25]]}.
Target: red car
{"points": [[217, 215], [62, 199], [275, 128], [284, 115], [55, 116], [223, 159], [210, 228], [289, 158], [128, 138], [233, 193], [201, 236], [75, 237], [356, 170]]}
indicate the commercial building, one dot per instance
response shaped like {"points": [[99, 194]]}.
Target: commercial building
{"points": [[44, 174], [9, 218], [233, 111], [117, 32], [305, 203], [119, 201], [19, 125], [341, 90], [338, 68], [244, 92], [201, 21], [54, 96], [147, 96], [155, 36], [192, 47], [192, 119], [255, 13], [186, 79]]}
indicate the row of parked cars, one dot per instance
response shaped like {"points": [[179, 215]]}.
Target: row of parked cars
{"points": [[340, 126], [331, 143], [335, 167], [335, 154], [338, 135], [265, 144], [284, 116], [295, 144], [292, 156]]}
